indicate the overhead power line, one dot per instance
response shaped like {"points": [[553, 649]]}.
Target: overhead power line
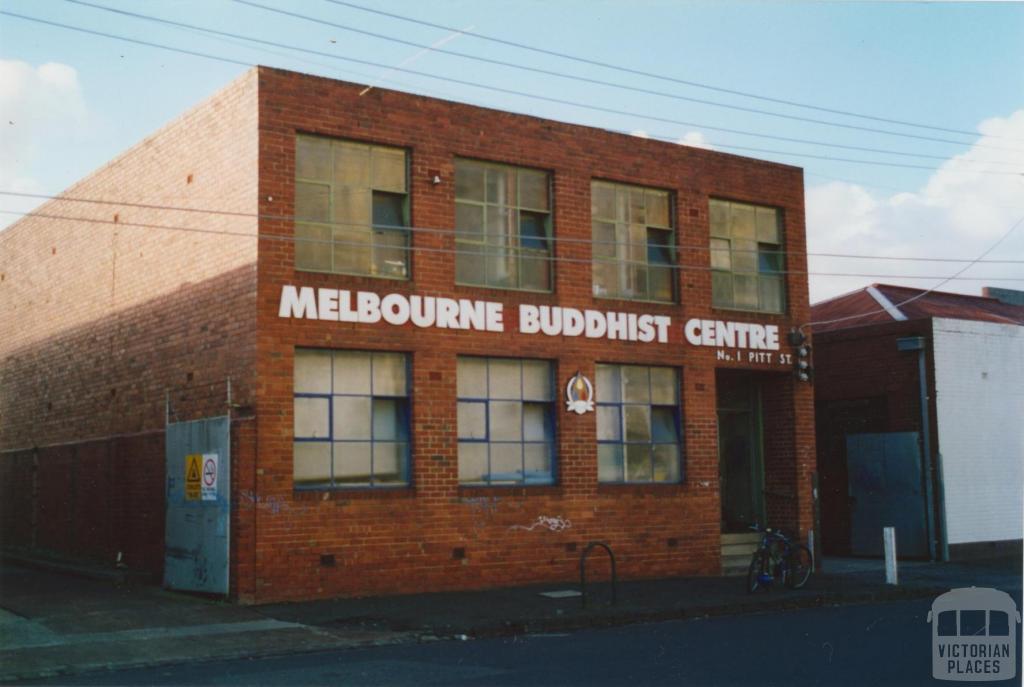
{"points": [[521, 94], [636, 89], [661, 77], [136, 41], [809, 172], [946, 280], [830, 158], [855, 182], [711, 127], [472, 254], [457, 233]]}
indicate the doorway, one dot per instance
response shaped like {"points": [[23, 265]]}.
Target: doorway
{"points": [[740, 450], [885, 490], [198, 516]]}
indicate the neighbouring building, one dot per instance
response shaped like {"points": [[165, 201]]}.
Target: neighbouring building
{"points": [[951, 478], [307, 341]]}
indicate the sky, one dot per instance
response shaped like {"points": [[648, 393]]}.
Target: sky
{"points": [[945, 183]]}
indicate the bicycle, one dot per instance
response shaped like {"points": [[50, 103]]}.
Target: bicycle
{"points": [[778, 558]]}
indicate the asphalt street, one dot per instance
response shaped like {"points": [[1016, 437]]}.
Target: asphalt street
{"points": [[874, 644]]}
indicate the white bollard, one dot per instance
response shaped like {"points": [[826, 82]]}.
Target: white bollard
{"points": [[889, 537], [810, 547]]}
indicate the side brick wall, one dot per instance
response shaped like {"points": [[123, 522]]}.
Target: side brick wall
{"points": [[108, 306]]}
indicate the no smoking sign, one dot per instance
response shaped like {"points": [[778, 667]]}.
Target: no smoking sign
{"points": [[209, 488]]}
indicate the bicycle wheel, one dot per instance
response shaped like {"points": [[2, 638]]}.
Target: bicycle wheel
{"points": [[758, 568], [798, 567]]}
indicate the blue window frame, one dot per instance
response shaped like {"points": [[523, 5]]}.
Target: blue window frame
{"points": [[639, 434], [352, 420], [506, 421]]}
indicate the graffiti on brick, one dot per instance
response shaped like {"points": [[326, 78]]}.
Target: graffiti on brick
{"points": [[247, 500], [482, 510], [275, 504], [552, 524], [485, 505]]}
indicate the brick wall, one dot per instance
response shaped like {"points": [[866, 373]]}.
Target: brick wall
{"points": [[94, 499], [101, 318], [404, 541], [863, 384]]}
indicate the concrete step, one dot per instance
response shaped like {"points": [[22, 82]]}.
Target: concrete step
{"points": [[735, 567], [737, 548], [744, 549]]}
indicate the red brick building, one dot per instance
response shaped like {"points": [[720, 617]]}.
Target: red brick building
{"points": [[461, 345]]}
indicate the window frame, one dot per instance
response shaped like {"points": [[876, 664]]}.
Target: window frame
{"points": [[550, 418], [622, 441], [330, 439], [461, 244], [622, 262], [778, 255], [371, 227]]}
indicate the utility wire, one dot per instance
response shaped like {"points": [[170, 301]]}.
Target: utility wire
{"points": [[486, 87], [672, 139], [475, 254], [652, 75], [240, 41], [677, 122], [854, 182], [955, 275], [637, 89], [548, 72], [127, 40], [456, 232]]}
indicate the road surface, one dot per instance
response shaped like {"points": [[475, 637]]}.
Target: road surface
{"points": [[853, 645]]}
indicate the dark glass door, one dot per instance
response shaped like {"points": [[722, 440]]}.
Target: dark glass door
{"points": [[740, 453]]}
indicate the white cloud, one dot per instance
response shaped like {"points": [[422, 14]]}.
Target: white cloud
{"points": [[41, 110], [958, 213], [695, 139]]}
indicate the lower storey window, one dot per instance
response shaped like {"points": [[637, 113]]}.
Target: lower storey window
{"points": [[638, 427], [351, 419], [506, 421]]}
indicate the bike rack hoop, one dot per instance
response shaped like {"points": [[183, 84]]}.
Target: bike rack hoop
{"points": [[583, 570]]}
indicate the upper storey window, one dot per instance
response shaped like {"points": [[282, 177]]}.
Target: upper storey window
{"points": [[747, 257], [633, 242], [503, 226], [351, 208]]}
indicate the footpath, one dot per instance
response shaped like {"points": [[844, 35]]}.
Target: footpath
{"points": [[54, 623]]}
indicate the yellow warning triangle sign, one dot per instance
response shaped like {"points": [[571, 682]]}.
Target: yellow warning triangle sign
{"points": [[193, 470]]}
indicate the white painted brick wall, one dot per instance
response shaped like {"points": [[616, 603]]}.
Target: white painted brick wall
{"points": [[979, 380]]}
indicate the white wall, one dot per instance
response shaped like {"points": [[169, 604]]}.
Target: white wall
{"points": [[979, 383]]}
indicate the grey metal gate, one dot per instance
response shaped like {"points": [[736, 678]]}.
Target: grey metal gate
{"points": [[197, 531], [886, 490]]}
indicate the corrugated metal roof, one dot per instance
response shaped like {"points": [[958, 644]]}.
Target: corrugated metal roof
{"points": [[933, 304]]}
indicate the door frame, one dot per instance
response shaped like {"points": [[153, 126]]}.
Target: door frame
{"points": [[197, 529], [755, 409]]}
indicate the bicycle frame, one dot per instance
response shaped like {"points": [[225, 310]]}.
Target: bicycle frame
{"points": [[778, 566]]}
